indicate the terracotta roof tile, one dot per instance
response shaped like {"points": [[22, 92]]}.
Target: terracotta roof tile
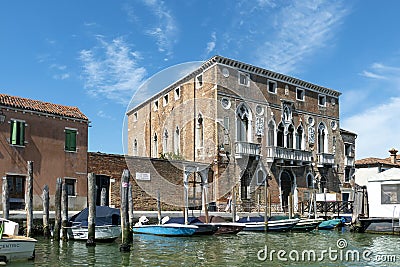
{"points": [[45, 107], [372, 161]]}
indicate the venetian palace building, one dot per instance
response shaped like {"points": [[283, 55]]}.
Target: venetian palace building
{"points": [[248, 125]]}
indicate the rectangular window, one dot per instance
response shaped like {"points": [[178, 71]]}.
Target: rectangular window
{"points": [[390, 194], [199, 81], [70, 140], [165, 102], [322, 100], [244, 79], [300, 94], [155, 103], [177, 93], [17, 133], [70, 184], [347, 172], [226, 124], [135, 116], [271, 86], [347, 150]]}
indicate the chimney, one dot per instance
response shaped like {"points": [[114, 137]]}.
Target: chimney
{"points": [[393, 155]]}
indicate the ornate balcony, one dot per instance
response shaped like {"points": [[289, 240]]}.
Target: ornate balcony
{"points": [[247, 149], [274, 152], [325, 159]]}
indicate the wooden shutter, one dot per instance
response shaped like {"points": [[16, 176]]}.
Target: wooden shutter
{"points": [[70, 140], [21, 133], [14, 132]]}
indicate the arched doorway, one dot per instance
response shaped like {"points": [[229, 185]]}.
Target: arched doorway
{"points": [[287, 187]]}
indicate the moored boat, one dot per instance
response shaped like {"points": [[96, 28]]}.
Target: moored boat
{"points": [[257, 224], [203, 228], [172, 229], [223, 226], [107, 227], [306, 225], [331, 224], [12, 246]]}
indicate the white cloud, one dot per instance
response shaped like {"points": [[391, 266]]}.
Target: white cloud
{"points": [[111, 70], [381, 71], [211, 45], [300, 28], [165, 31], [376, 128]]}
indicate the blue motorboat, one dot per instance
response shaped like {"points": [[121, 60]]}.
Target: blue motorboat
{"points": [[257, 224], [172, 229], [331, 224]]}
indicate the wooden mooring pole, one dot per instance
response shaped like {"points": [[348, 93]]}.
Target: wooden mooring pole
{"points": [[126, 233], [64, 205], [46, 199], [158, 207], [57, 204], [92, 210], [6, 199], [130, 201], [29, 200], [103, 197]]}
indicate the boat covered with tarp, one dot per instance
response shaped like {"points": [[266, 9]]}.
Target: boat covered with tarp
{"points": [[107, 224]]}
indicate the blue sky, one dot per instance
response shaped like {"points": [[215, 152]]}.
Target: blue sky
{"points": [[95, 54]]}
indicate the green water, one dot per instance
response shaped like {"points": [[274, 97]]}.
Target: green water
{"points": [[243, 249]]}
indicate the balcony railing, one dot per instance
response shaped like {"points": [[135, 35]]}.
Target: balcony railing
{"points": [[349, 161], [247, 149], [326, 159], [274, 152]]}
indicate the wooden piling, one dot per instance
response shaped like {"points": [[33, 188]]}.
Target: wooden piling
{"points": [[289, 200], [64, 205], [126, 233], [92, 210], [6, 199], [234, 204], [29, 200], [205, 203], [103, 197], [57, 204], [130, 203], [158, 207], [46, 199]]}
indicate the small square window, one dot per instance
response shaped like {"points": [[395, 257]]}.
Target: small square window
{"points": [[322, 100], [165, 102], [135, 116], [271, 86], [155, 104], [300, 94], [244, 79], [70, 184], [177, 93], [199, 81]]}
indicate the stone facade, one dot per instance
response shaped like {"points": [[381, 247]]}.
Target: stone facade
{"points": [[247, 124]]}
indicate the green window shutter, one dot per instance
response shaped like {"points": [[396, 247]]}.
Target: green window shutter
{"points": [[73, 141], [21, 133], [70, 140], [14, 132]]}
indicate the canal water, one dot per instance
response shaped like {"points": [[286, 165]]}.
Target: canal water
{"points": [[317, 248]]}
